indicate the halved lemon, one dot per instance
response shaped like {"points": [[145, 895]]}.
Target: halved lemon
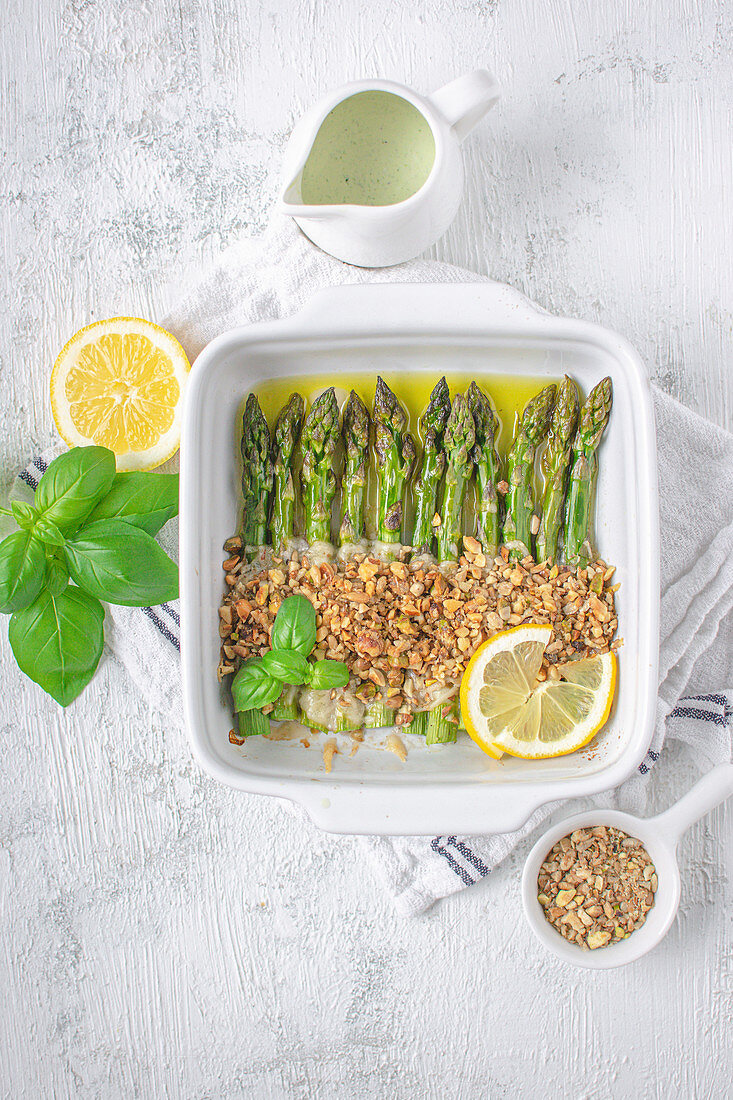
{"points": [[506, 709], [119, 383]]}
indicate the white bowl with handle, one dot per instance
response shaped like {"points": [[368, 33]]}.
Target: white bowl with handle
{"points": [[474, 329], [660, 836]]}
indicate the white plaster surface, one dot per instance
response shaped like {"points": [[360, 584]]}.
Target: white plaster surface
{"points": [[165, 937]]}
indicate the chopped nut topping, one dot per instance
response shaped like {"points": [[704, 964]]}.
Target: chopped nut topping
{"points": [[382, 618], [597, 886]]}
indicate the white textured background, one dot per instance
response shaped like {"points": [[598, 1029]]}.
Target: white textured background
{"points": [[163, 936]]}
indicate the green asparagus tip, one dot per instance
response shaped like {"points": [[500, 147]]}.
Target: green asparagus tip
{"points": [[435, 417], [356, 422], [537, 413], [255, 433], [564, 418], [318, 431], [484, 418], [387, 411], [460, 434], [594, 415], [288, 423]]}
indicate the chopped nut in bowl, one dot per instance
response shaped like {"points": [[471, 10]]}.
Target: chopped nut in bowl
{"points": [[600, 889], [597, 886]]}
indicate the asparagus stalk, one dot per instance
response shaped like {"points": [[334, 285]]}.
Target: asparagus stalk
{"points": [[286, 435], [432, 426], [251, 723], [318, 443], [395, 451], [486, 462], [395, 458], [531, 430], [287, 432], [458, 443], [354, 480], [355, 435], [555, 468], [583, 474], [441, 724], [257, 482], [257, 476]]}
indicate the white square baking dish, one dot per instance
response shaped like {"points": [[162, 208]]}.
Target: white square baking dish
{"points": [[478, 328]]}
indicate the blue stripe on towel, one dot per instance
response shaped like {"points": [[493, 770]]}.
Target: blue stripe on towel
{"points": [[160, 625], [462, 873]]}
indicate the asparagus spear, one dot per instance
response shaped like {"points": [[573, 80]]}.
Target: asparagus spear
{"points": [[319, 441], [285, 440], [318, 444], [257, 476], [432, 425], [584, 470], [395, 458], [458, 443], [395, 451], [353, 492], [486, 462], [286, 434], [354, 480], [441, 724], [555, 467], [257, 480], [531, 430]]}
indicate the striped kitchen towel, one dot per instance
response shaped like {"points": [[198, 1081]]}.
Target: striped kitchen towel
{"points": [[272, 277], [696, 649]]}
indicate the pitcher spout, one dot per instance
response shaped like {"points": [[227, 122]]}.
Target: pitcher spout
{"points": [[290, 201]]}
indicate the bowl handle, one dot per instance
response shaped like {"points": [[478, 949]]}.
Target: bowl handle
{"points": [[711, 790], [465, 101]]}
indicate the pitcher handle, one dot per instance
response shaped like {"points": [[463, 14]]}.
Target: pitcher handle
{"points": [[465, 101]]}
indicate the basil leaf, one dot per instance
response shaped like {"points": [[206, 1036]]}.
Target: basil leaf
{"points": [[120, 563], [145, 500], [24, 514], [294, 626], [48, 532], [286, 665], [58, 641], [73, 484], [329, 674], [253, 688], [22, 568], [57, 577]]}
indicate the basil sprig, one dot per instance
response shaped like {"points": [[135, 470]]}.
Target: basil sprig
{"points": [[260, 682], [87, 537]]}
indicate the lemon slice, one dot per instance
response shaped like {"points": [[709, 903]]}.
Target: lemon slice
{"points": [[506, 709], [119, 384]]}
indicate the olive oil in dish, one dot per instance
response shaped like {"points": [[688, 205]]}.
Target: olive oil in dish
{"points": [[508, 393], [373, 149]]}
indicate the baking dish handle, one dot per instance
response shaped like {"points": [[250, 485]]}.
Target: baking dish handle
{"points": [[399, 809], [381, 308]]}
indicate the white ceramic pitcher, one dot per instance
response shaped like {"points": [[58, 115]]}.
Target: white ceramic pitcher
{"points": [[383, 234]]}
